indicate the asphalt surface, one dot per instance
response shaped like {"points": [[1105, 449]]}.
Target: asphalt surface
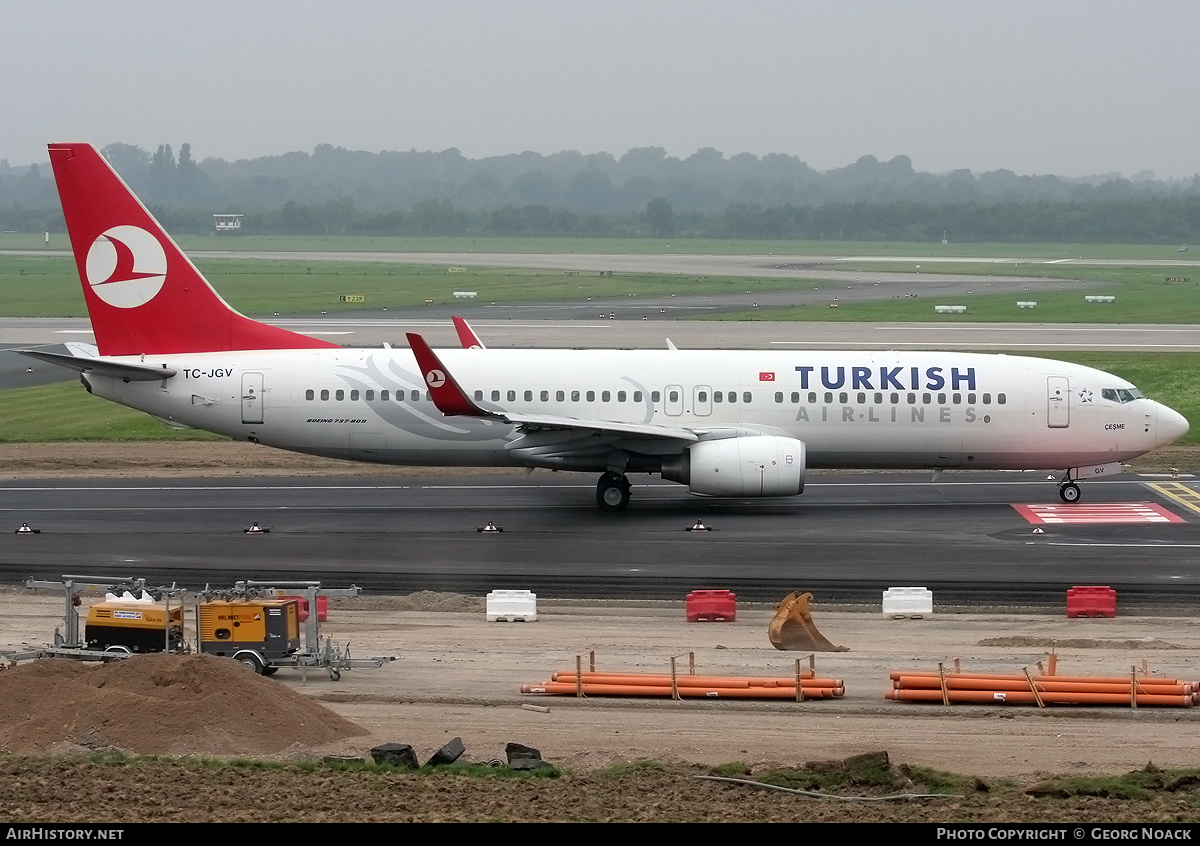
{"points": [[849, 537]]}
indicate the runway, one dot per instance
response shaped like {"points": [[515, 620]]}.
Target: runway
{"points": [[849, 537]]}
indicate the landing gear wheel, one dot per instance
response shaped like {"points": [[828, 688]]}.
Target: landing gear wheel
{"points": [[612, 492], [1069, 492]]}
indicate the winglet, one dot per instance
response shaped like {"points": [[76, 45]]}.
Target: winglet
{"points": [[466, 335], [445, 391]]}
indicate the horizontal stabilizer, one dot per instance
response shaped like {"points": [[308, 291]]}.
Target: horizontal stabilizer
{"points": [[102, 366]]}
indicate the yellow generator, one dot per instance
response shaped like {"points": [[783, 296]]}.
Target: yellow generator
{"points": [[117, 626], [253, 631]]}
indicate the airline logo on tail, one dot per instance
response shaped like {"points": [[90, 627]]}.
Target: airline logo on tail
{"points": [[126, 266]]}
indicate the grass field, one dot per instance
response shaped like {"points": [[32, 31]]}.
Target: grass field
{"points": [[633, 246], [48, 286], [66, 412]]}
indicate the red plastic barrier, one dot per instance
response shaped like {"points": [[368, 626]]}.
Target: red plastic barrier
{"points": [[1091, 602], [711, 605], [302, 607]]}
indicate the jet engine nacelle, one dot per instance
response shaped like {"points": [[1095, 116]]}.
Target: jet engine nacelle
{"points": [[758, 465]]}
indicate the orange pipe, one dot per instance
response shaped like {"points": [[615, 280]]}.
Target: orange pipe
{"points": [[924, 683], [693, 681], [565, 688], [896, 674], [807, 675], [1025, 697]]}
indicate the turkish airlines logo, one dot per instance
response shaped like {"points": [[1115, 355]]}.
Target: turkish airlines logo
{"points": [[126, 266], [435, 378], [765, 376]]}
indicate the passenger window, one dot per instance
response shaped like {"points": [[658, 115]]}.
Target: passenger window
{"points": [[941, 399], [878, 399], [479, 395], [718, 396], [702, 396], [354, 396], [828, 397], [926, 399], [574, 396], [970, 399], [559, 396], [733, 396], [309, 394], [370, 396], [1000, 399], [495, 396], [512, 396], [987, 399], [795, 397], [637, 396], [862, 398], [957, 399], [843, 398], [655, 396], [529, 396], [894, 398], [384, 395], [545, 395], [746, 397], [591, 396], [912, 399], [340, 395], [325, 393], [673, 396], [606, 396], [620, 396], [415, 396], [779, 396]]}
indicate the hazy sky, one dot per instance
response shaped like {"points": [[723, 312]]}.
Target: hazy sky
{"points": [[1071, 87]]}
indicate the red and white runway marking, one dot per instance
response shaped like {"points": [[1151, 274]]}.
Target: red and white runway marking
{"points": [[1097, 513]]}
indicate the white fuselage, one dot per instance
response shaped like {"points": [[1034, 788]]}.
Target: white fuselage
{"points": [[851, 409]]}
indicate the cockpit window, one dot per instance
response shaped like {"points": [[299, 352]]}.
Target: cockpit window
{"points": [[1122, 395]]}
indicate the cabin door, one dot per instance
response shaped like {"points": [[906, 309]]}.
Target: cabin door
{"points": [[1058, 402], [252, 400]]}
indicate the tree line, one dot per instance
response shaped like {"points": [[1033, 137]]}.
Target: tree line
{"points": [[644, 193]]}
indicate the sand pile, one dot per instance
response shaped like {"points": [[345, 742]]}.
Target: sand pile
{"points": [[159, 704]]}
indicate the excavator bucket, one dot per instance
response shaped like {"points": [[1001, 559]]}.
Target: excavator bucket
{"points": [[792, 628]]}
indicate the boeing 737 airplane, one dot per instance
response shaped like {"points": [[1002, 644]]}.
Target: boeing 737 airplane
{"points": [[723, 423]]}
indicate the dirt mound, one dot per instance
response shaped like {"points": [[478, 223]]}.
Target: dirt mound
{"points": [[159, 704]]}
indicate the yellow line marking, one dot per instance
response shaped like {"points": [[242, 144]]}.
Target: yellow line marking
{"points": [[1179, 493]]}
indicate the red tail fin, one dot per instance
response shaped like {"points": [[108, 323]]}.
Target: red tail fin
{"points": [[142, 292]]}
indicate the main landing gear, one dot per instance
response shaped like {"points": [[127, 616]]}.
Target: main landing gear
{"points": [[1068, 491], [612, 492]]}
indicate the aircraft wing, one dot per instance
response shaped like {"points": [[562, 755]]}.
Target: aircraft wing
{"points": [[452, 400], [536, 422], [103, 367]]}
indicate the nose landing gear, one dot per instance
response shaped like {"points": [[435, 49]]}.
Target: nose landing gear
{"points": [[1068, 491]]}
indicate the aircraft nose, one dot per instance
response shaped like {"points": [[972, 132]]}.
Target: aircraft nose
{"points": [[1171, 426]]}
